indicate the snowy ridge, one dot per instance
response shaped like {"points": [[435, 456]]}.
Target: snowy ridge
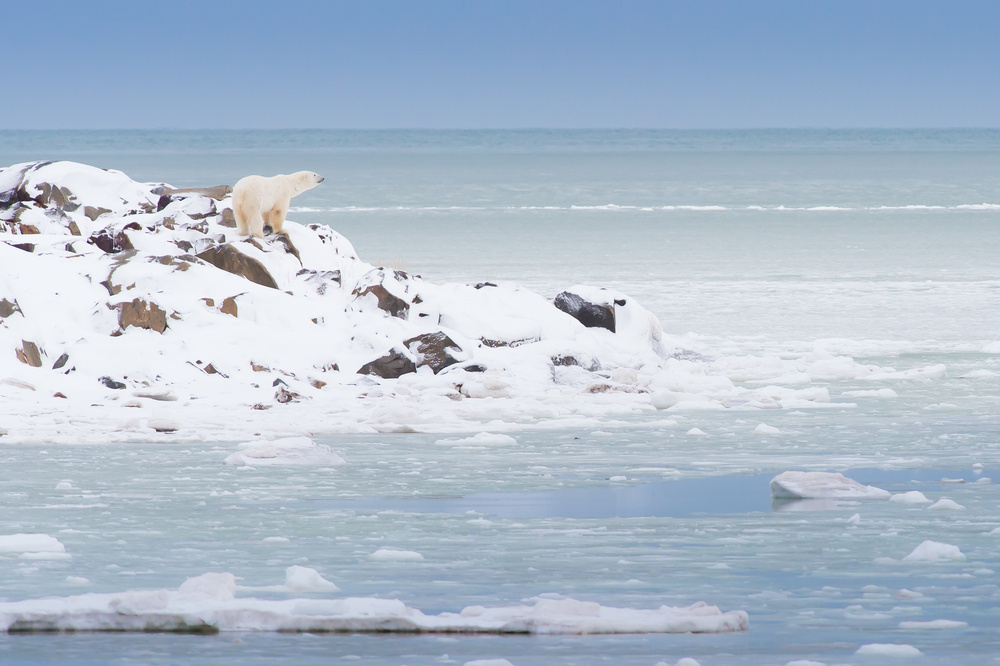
{"points": [[208, 604], [133, 312]]}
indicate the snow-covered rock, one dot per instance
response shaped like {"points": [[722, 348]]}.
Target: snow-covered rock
{"points": [[821, 485], [115, 294]]}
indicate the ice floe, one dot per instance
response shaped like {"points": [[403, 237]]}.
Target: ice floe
{"points": [[208, 603], [32, 546], [888, 650], [821, 485], [285, 451], [933, 551]]}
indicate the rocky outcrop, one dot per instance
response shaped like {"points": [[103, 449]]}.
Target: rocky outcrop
{"points": [[591, 315], [435, 350], [29, 354], [231, 260]]}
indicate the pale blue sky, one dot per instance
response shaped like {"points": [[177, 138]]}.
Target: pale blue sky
{"points": [[500, 64]]}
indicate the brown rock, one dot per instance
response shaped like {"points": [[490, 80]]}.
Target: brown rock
{"points": [[7, 308], [394, 364], [93, 212], [433, 350], [141, 314], [228, 218], [229, 307], [229, 259], [29, 354]]}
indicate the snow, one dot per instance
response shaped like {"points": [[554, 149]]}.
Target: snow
{"points": [[241, 361], [209, 602], [933, 551], [285, 451], [821, 485], [888, 650]]}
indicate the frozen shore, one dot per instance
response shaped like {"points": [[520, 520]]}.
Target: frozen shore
{"points": [[133, 312]]}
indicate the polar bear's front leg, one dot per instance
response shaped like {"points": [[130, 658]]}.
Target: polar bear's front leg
{"points": [[276, 218]]}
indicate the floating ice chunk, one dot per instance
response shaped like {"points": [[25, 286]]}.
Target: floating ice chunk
{"points": [[933, 551], [488, 662], [764, 429], [305, 579], [909, 594], [64, 485], [396, 555], [275, 539], [26, 544], [287, 451], [208, 603], [934, 624], [481, 439], [889, 650], [805, 662], [947, 504], [911, 497], [77, 580], [696, 432], [688, 661], [872, 393], [821, 485]]}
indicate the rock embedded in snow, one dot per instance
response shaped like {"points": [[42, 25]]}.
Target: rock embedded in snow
{"points": [[933, 551], [822, 485], [591, 315]]}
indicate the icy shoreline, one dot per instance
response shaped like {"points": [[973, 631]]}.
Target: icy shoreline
{"points": [[132, 312]]}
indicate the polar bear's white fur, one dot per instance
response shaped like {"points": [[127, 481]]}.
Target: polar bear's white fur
{"points": [[260, 200]]}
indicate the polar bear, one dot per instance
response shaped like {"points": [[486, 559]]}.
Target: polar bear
{"points": [[259, 200]]}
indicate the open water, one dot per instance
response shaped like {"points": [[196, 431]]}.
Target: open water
{"points": [[878, 244]]}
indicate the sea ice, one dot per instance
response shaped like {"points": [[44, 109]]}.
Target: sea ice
{"points": [[946, 504], [821, 485], [305, 579], [933, 551], [208, 602], [910, 497], [29, 544], [396, 555], [933, 624], [286, 451], [764, 429], [888, 650]]}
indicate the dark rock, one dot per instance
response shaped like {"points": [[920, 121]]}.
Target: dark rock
{"points": [[484, 284], [589, 314], [433, 350], [111, 383], [7, 308], [392, 365], [113, 241], [228, 218], [286, 242], [141, 314], [474, 367], [55, 197], [27, 247], [279, 382], [284, 396], [565, 360], [229, 259], [60, 362], [490, 342], [29, 354], [94, 212], [26, 229]]}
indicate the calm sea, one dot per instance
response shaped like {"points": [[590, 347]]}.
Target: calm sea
{"points": [[878, 244]]}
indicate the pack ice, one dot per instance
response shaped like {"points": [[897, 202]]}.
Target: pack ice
{"points": [[133, 312]]}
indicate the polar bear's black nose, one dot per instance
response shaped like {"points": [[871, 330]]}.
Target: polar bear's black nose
{"points": [[321, 179]]}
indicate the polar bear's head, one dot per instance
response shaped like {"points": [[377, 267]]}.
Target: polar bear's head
{"points": [[306, 180]]}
